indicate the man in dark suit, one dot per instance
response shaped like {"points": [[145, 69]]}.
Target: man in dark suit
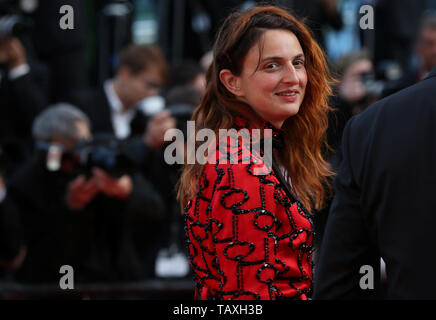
{"points": [[141, 72], [22, 97], [113, 107], [384, 203]]}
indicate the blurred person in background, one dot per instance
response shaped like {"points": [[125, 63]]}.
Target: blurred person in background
{"points": [[101, 223], [425, 47], [114, 107], [142, 71], [181, 98], [396, 23], [353, 92], [180, 101], [189, 72], [22, 96], [62, 51], [424, 52]]}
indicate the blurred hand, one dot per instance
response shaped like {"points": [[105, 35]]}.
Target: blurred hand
{"points": [[157, 126], [115, 188], [81, 192], [12, 52]]}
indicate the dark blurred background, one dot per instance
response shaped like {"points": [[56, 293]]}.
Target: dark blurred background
{"points": [[83, 112]]}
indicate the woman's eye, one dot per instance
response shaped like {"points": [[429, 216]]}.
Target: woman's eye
{"points": [[271, 65], [299, 62]]}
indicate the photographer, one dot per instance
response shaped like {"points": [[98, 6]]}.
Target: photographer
{"points": [[113, 108], [103, 224], [141, 72]]}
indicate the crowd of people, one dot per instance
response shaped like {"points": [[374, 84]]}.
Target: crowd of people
{"points": [[83, 178], [83, 181]]}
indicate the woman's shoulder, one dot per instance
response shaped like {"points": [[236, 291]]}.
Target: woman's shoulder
{"points": [[233, 148], [238, 158], [238, 169]]}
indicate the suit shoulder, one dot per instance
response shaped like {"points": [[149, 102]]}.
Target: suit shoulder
{"points": [[409, 101], [89, 99]]}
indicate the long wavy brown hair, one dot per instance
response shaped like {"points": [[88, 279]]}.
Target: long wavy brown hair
{"points": [[304, 133]]}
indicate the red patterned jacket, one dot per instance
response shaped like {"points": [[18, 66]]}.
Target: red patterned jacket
{"points": [[246, 238]]}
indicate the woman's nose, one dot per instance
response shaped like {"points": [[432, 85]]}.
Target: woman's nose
{"points": [[290, 75]]}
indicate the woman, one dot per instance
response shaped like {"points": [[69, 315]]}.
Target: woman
{"points": [[250, 236]]}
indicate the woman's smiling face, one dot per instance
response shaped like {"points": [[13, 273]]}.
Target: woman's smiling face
{"points": [[273, 78]]}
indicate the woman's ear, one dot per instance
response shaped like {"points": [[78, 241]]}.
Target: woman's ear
{"points": [[231, 82]]}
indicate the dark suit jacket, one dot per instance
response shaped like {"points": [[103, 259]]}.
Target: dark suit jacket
{"points": [[95, 105], [21, 100], [385, 200]]}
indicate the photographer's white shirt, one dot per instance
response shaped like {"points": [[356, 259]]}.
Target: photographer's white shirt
{"points": [[120, 118]]}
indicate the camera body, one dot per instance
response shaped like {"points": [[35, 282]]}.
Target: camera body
{"points": [[106, 153]]}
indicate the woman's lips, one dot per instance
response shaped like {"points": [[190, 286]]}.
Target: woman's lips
{"points": [[288, 96]]}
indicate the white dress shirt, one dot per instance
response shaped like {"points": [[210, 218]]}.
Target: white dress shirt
{"points": [[120, 118]]}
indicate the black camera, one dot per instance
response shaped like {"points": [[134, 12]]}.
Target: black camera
{"points": [[12, 22], [106, 153]]}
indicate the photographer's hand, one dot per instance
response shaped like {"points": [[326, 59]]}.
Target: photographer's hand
{"points": [[156, 128], [115, 188], [81, 192]]}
